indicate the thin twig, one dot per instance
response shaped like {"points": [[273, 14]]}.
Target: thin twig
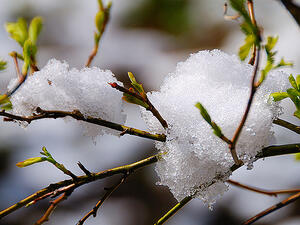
{"points": [[287, 125], [44, 114], [80, 181], [99, 203], [273, 208], [229, 17], [266, 152], [96, 45], [51, 208], [174, 210], [144, 99], [252, 16], [262, 191], [67, 184], [241, 125]]}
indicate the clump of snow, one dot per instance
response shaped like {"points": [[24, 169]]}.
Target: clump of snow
{"points": [[56, 87], [196, 161]]}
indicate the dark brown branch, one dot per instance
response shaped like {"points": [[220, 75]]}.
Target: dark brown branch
{"points": [[293, 9], [287, 125], [262, 191], [99, 203], [279, 205], [46, 114], [145, 99]]}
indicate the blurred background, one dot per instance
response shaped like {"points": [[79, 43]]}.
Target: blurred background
{"points": [[148, 38]]}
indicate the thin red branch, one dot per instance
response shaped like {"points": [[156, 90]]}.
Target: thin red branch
{"points": [[244, 118], [273, 208], [262, 191], [145, 99]]}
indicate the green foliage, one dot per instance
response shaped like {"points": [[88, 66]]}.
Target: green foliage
{"points": [[138, 87], [133, 100], [35, 28], [101, 19], [3, 65], [30, 161], [5, 103], [269, 46], [27, 38], [248, 28], [216, 129], [18, 30], [46, 157], [292, 93]]}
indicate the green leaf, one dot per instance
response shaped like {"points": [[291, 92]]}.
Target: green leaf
{"points": [[278, 96], [298, 81], [293, 92], [131, 99], [283, 63], [203, 112], [297, 114], [3, 65], [18, 30], [293, 97], [138, 87], [35, 28], [271, 42], [217, 129], [245, 49], [99, 20], [5, 102], [29, 52], [30, 161], [293, 82]]}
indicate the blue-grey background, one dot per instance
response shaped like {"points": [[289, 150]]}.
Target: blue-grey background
{"points": [[148, 38]]}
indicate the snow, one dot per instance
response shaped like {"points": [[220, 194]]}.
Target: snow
{"points": [[56, 87], [196, 161]]}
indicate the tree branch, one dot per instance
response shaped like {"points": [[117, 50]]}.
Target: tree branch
{"points": [[99, 203], [174, 210], [293, 9], [273, 208], [44, 114], [262, 191], [145, 99], [287, 125], [81, 180]]}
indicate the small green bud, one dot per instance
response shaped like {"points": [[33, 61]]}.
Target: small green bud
{"points": [[278, 96], [3, 65], [18, 30], [138, 87], [203, 112], [35, 28], [99, 20], [30, 161]]}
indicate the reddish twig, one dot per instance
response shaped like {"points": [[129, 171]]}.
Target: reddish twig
{"points": [[145, 99], [108, 193], [228, 17], [244, 118], [273, 208], [51, 208], [252, 16], [262, 191]]}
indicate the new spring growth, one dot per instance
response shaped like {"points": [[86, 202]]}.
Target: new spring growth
{"points": [[46, 157], [27, 38], [3, 65], [292, 93]]}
